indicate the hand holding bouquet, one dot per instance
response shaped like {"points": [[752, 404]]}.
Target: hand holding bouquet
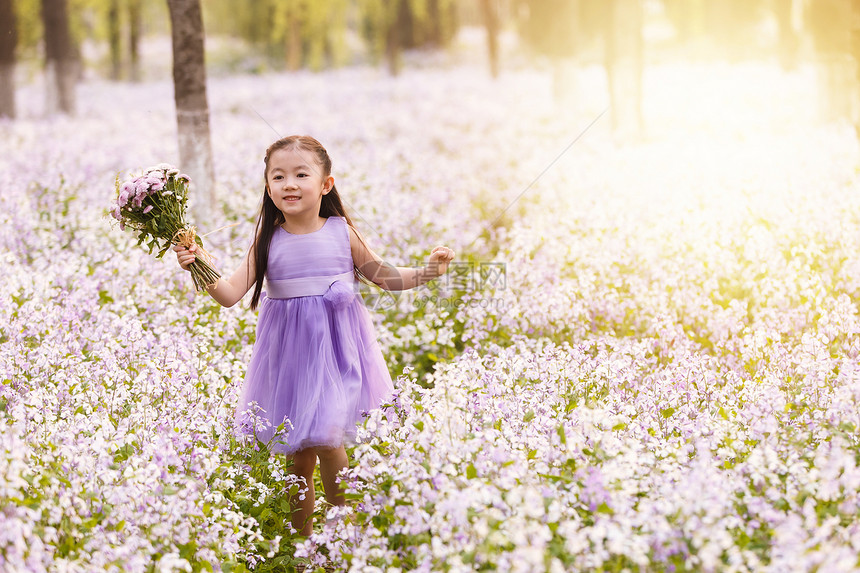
{"points": [[154, 206]]}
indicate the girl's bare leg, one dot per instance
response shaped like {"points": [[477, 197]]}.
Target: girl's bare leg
{"points": [[304, 462], [332, 460]]}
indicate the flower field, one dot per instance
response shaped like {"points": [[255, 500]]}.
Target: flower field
{"points": [[645, 358]]}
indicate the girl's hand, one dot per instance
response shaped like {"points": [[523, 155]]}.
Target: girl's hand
{"points": [[439, 259], [185, 256]]}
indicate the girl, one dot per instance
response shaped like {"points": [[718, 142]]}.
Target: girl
{"points": [[316, 361]]}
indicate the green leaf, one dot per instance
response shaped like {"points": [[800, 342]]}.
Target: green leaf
{"points": [[667, 412], [561, 434], [604, 508], [530, 415], [471, 472], [104, 297], [187, 550]]}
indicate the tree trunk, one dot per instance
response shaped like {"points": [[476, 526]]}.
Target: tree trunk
{"points": [[192, 108], [134, 40], [114, 42], [855, 52], [490, 13], [830, 24], [60, 68], [393, 36], [624, 65], [788, 41], [8, 41], [294, 37]]}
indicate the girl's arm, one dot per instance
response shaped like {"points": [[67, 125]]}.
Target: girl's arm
{"points": [[390, 277], [226, 292]]}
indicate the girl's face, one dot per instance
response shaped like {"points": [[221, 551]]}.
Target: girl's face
{"points": [[296, 183]]}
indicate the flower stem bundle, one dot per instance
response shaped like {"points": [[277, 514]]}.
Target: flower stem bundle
{"points": [[154, 205]]}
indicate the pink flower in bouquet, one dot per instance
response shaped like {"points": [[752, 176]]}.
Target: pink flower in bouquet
{"points": [[135, 206], [141, 188], [154, 183], [126, 191]]}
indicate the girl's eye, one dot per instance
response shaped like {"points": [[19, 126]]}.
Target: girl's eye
{"points": [[276, 177], [303, 174]]}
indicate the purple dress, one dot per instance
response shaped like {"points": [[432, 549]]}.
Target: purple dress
{"points": [[316, 361]]}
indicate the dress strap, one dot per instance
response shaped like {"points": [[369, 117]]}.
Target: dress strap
{"points": [[307, 286]]}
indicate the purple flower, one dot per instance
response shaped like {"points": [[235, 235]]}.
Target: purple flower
{"points": [[141, 186], [155, 183], [126, 190], [148, 209], [594, 491]]}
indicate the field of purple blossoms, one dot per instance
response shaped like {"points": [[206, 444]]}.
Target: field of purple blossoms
{"points": [[644, 359]]}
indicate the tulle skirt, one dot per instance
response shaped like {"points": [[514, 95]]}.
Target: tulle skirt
{"points": [[317, 369]]}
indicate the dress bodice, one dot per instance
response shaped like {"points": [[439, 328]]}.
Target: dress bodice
{"points": [[322, 252]]}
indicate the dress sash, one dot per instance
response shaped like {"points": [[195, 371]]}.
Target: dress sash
{"points": [[306, 286]]}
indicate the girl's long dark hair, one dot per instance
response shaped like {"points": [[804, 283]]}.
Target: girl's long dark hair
{"points": [[270, 216]]}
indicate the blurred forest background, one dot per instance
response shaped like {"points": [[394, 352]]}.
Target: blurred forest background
{"points": [[60, 43], [124, 40]]}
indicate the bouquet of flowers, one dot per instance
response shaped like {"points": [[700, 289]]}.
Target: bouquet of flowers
{"points": [[153, 204]]}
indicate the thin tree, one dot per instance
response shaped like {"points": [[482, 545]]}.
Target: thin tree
{"points": [[60, 60], [788, 40], [561, 30], [624, 61], [855, 52], [830, 23], [114, 39], [490, 12], [192, 107], [134, 39], [8, 41], [396, 23], [294, 35]]}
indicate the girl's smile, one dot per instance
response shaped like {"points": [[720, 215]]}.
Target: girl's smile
{"points": [[296, 183]]}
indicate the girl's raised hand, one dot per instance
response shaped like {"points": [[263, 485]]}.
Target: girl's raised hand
{"points": [[184, 255], [439, 259]]}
